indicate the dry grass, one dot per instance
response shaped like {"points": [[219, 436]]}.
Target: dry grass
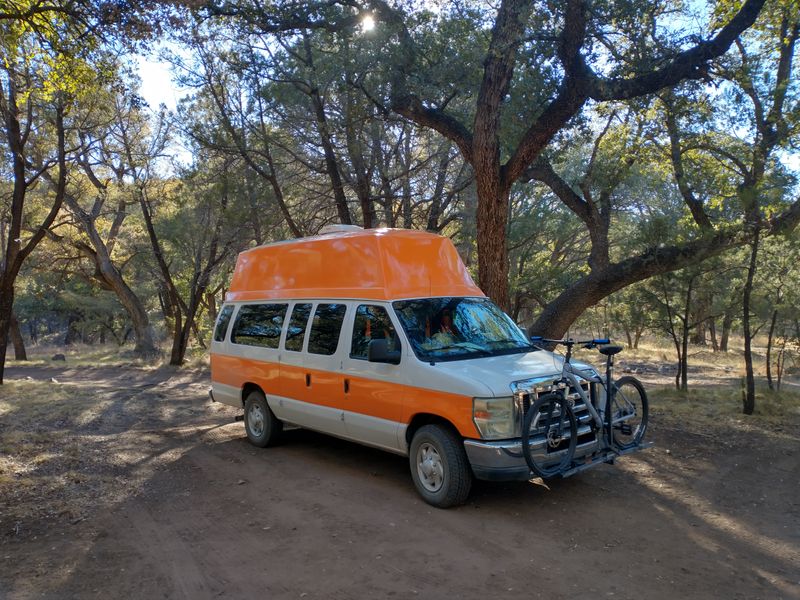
{"points": [[42, 463], [107, 355]]}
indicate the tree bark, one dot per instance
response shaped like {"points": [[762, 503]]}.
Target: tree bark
{"points": [[749, 395], [770, 338], [727, 323], [16, 339]]}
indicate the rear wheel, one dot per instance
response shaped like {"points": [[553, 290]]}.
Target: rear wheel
{"points": [[629, 411], [262, 426], [439, 466], [549, 435]]}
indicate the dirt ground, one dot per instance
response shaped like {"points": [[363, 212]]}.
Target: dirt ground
{"points": [[162, 497]]}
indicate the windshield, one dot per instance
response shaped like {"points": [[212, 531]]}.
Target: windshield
{"points": [[458, 328]]}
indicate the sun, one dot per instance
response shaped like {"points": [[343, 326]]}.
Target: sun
{"points": [[367, 23]]}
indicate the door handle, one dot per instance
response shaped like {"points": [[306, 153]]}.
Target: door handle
{"points": [[346, 386], [308, 380]]}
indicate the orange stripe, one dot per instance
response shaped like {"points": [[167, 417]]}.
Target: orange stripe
{"points": [[372, 397]]}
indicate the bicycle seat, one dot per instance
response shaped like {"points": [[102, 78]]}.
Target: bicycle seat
{"points": [[609, 350]]}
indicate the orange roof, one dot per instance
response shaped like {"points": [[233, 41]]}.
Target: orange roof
{"points": [[375, 264]]}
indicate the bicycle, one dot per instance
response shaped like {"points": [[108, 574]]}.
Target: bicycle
{"points": [[612, 415]]}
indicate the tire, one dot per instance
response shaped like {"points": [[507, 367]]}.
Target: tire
{"points": [[549, 426], [439, 466], [263, 428], [628, 401]]}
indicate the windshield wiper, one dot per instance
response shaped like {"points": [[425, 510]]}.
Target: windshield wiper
{"points": [[468, 353]]}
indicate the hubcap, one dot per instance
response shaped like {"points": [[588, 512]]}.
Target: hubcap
{"points": [[430, 467], [255, 420]]}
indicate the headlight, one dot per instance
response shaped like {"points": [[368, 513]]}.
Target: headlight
{"points": [[494, 417]]}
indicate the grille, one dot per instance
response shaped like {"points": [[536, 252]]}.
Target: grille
{"points": [[528, 391]]}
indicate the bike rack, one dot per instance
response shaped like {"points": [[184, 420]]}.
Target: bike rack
{"points": [[606, 456]]}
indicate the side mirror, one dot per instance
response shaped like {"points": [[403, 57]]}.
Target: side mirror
{"points": [[378, 352]]}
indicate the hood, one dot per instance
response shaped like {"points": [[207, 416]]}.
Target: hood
{"points": [[499, 372]]}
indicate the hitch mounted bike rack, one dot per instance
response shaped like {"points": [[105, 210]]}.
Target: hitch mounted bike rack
{"points": [[607, 456]]}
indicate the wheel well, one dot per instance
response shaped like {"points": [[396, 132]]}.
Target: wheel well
{"points": [[422, 419], [250, 387]]}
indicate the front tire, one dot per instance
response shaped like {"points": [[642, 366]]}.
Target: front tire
{"points": [[439, 466], [629, 411], [549, 436], [261, 425]]}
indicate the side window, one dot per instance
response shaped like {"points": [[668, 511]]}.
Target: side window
{"points": [[222, 323], [296, 332], [325, 328], [372, 323], [259, 325]]}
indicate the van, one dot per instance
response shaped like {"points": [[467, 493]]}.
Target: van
{"points": [[381, 337]]}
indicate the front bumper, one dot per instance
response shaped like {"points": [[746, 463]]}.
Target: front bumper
{"points": [[497, 461], [503, 460]]}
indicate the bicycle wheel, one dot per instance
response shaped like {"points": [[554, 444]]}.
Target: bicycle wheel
{"points": [[549, 435], [629, 411]]}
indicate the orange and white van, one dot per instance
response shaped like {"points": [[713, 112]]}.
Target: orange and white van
{"points": [[381, 337]]}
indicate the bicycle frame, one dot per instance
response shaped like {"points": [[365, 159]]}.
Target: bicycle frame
{"points": [[570, 375]]}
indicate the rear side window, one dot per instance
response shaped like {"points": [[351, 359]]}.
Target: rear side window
{"points": [[222, 323], [325, 328], [259, 325], [296, 332], [372, 323]]}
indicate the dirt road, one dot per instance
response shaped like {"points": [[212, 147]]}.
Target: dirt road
{"points": [[200, 513]]}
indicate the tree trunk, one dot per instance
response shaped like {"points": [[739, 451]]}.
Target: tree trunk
{"points": [[727, 323], [492, 219], [770, 338], [685, 336], [712, 330], [749, 394], [16, 339], [145, 346], [6, 302]]}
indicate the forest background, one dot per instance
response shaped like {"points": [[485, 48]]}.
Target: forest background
{"points": [[613, 167]]}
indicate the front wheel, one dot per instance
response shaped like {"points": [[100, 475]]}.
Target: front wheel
{"points": [[439, 466], [629, 411], [549, 435]]}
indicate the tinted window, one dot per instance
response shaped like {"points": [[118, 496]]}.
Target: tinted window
{"points": [[296, 332], [222, 323], [259, 325], [372, 323], [325, 328]]}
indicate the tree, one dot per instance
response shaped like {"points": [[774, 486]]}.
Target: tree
{"points": [[47, 53], [113, 143], [539, 103], [34, 96]]}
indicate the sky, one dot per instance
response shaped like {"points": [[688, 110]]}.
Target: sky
{"points": [[157, 84]]}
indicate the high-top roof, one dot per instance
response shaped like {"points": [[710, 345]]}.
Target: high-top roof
{"points": [[375, 264]]}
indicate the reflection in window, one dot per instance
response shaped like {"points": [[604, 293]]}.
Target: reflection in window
{"points": [[325, 328], [222, 323], [259, 325], [372, 323], [296, 332], [459, 328]]}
